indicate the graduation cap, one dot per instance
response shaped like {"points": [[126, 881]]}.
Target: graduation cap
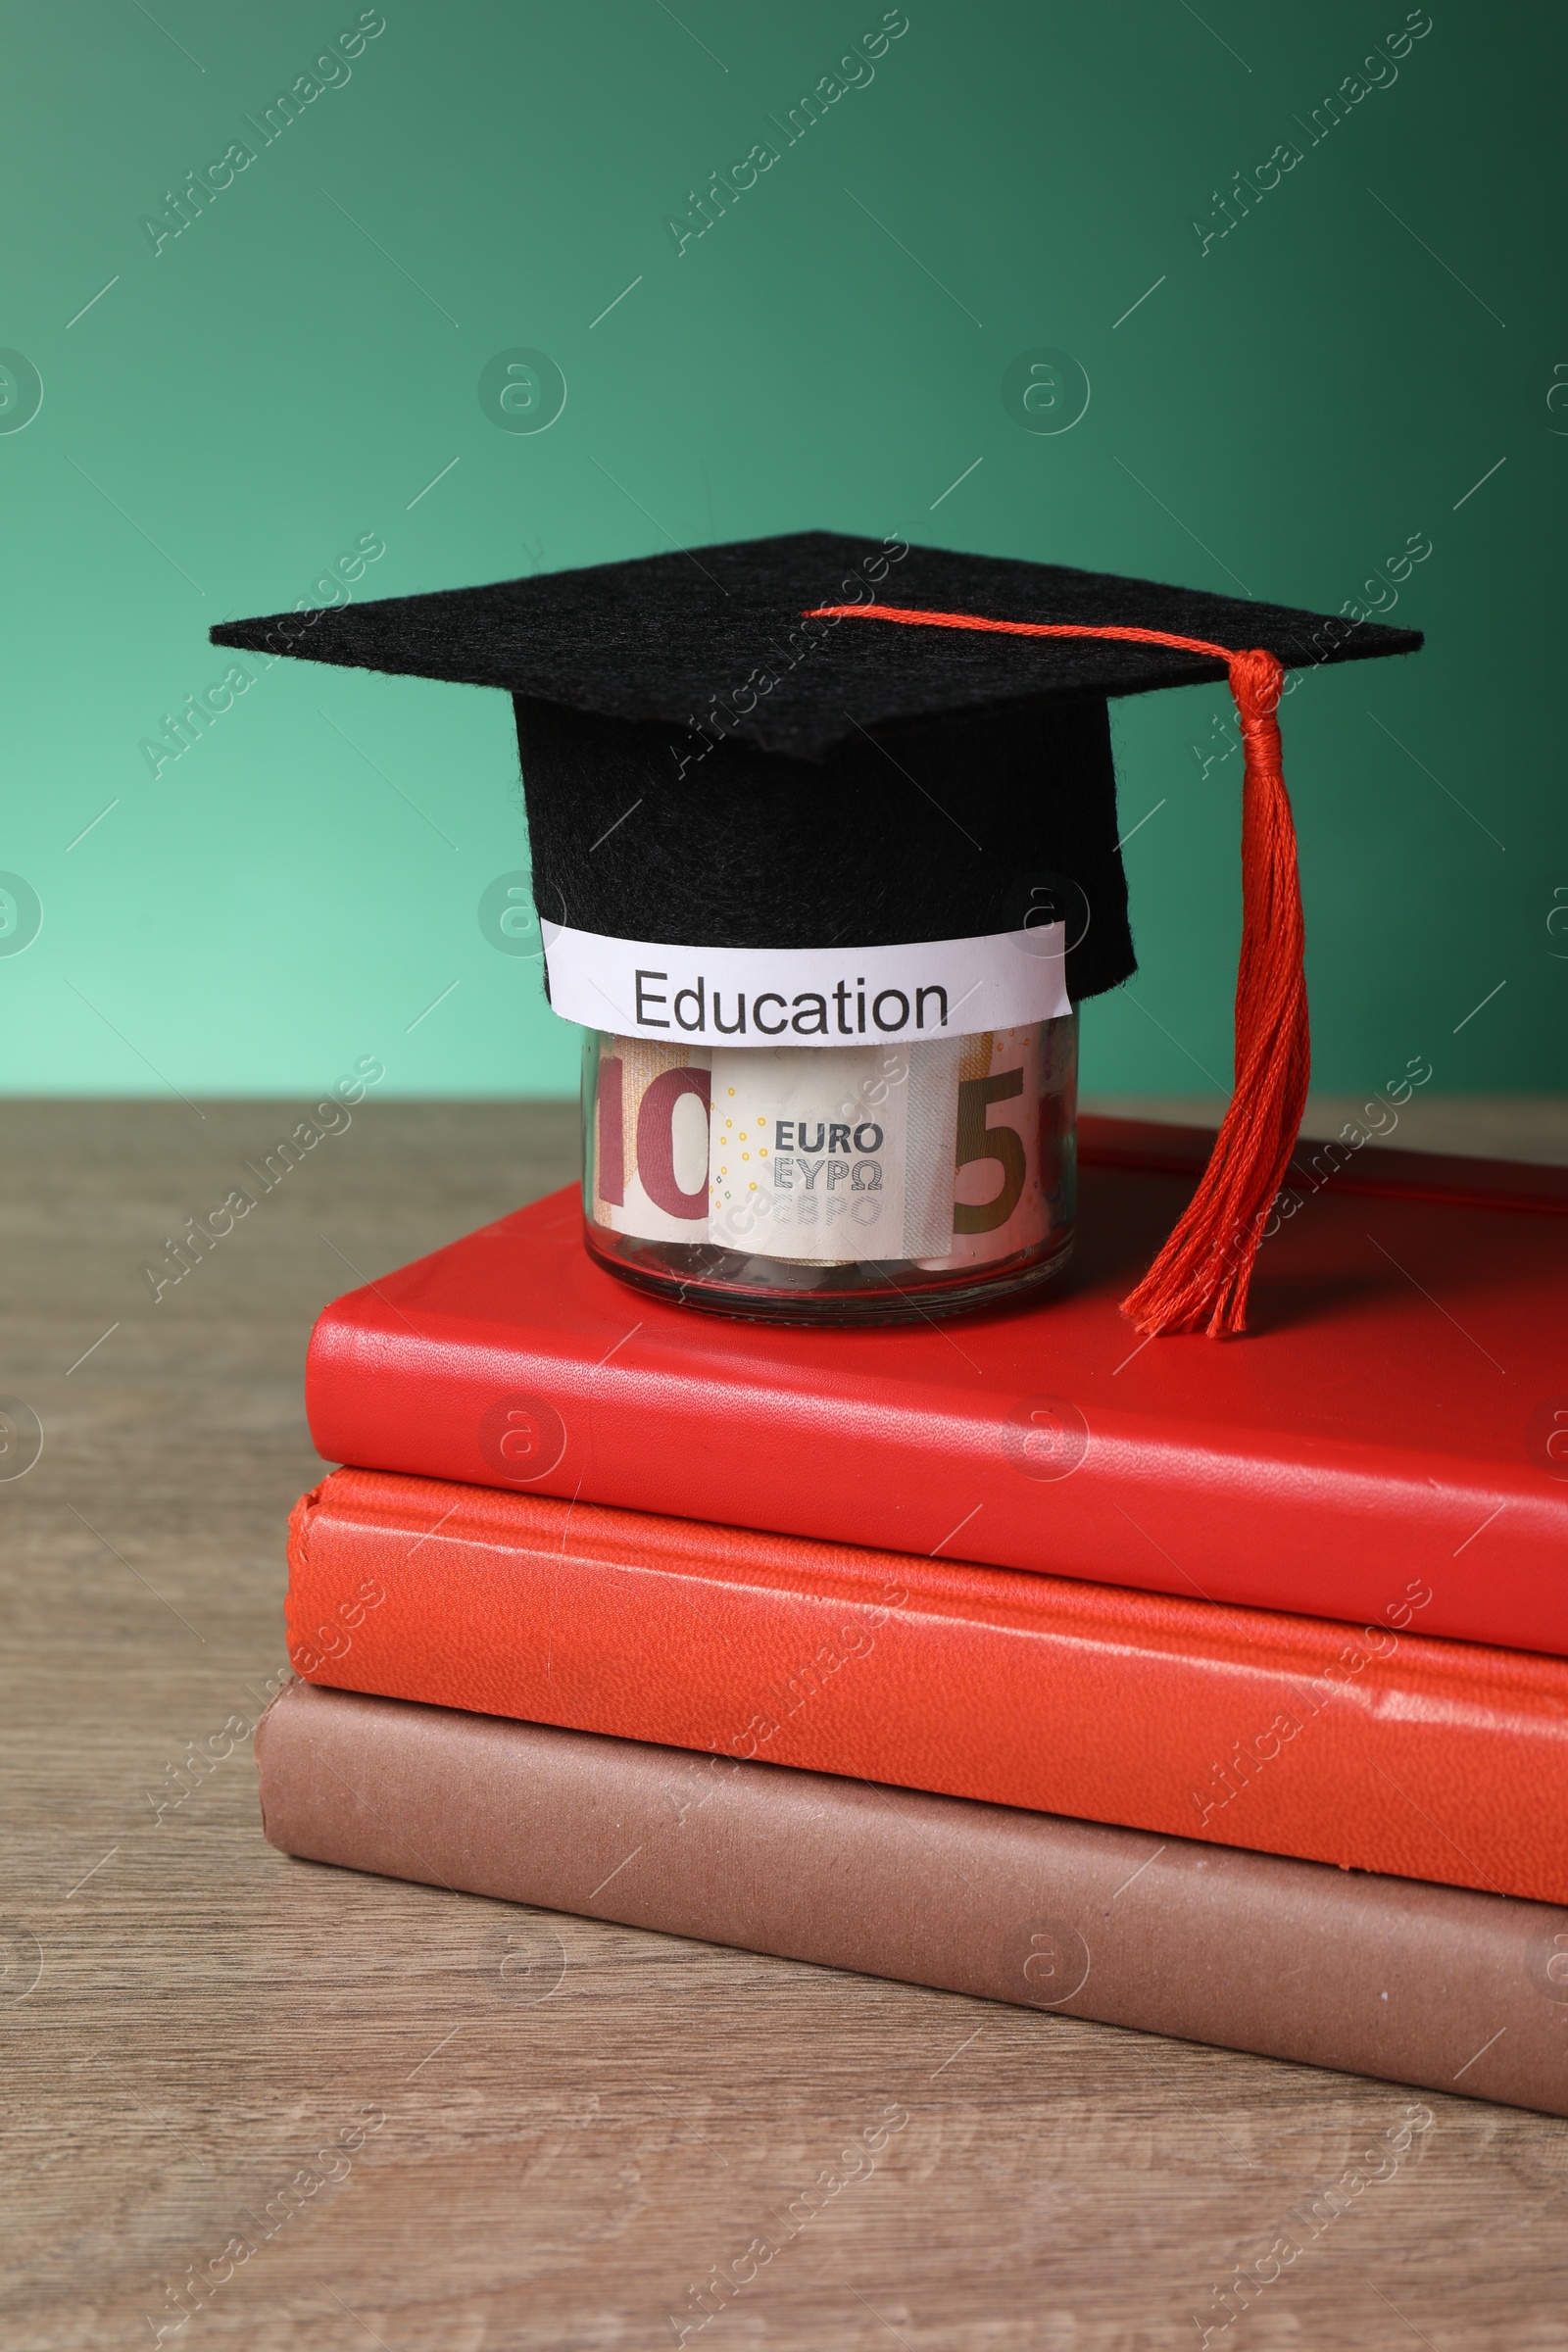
{"points": [[818, 742]]}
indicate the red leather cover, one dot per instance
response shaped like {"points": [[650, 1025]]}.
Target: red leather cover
{"points": [[1388, 1417], [1378, 1748]]}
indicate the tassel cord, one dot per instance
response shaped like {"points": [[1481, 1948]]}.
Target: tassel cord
{"points": [[1202, 1277]]}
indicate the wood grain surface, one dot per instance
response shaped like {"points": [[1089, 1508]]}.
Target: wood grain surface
{"points": [[337, 2111]]}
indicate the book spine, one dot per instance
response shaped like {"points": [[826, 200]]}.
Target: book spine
{"points": [[1416, 1984], [1373, 1747]]}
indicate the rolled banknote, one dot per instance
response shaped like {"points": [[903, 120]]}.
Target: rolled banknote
{"points": [[945, 1152], [648, 1145]]}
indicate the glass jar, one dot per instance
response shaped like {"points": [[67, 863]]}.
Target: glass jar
{"points": [[868, 1184]]}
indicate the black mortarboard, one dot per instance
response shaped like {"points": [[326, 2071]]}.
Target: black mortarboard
{"points": [[711, 759]]}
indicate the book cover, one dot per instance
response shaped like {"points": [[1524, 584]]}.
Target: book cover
{"points": [[1414, 1984], [1374, 1745], [1398, 1412]]}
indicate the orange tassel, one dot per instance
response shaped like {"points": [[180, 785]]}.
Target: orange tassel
{"points": [[1201, 1276]]}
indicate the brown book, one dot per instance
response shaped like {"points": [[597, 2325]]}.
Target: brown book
{"points": [[1431, 1985]]}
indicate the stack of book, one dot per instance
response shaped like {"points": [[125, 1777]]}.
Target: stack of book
{"points": [[1219, 1690]]}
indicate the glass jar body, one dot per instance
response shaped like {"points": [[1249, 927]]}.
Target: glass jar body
{"points": [[874, 1184]]}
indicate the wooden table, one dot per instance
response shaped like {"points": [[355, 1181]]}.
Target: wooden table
{"points": [[188, 2018]]}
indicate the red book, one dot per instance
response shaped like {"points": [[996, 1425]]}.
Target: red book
{"points": [[1398, 1412], [1376, 1747]]}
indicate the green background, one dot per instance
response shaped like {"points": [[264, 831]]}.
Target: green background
{"points": [[1281, 412]]}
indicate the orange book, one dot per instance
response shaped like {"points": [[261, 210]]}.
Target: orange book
{"points": [[1376, 1746]]}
